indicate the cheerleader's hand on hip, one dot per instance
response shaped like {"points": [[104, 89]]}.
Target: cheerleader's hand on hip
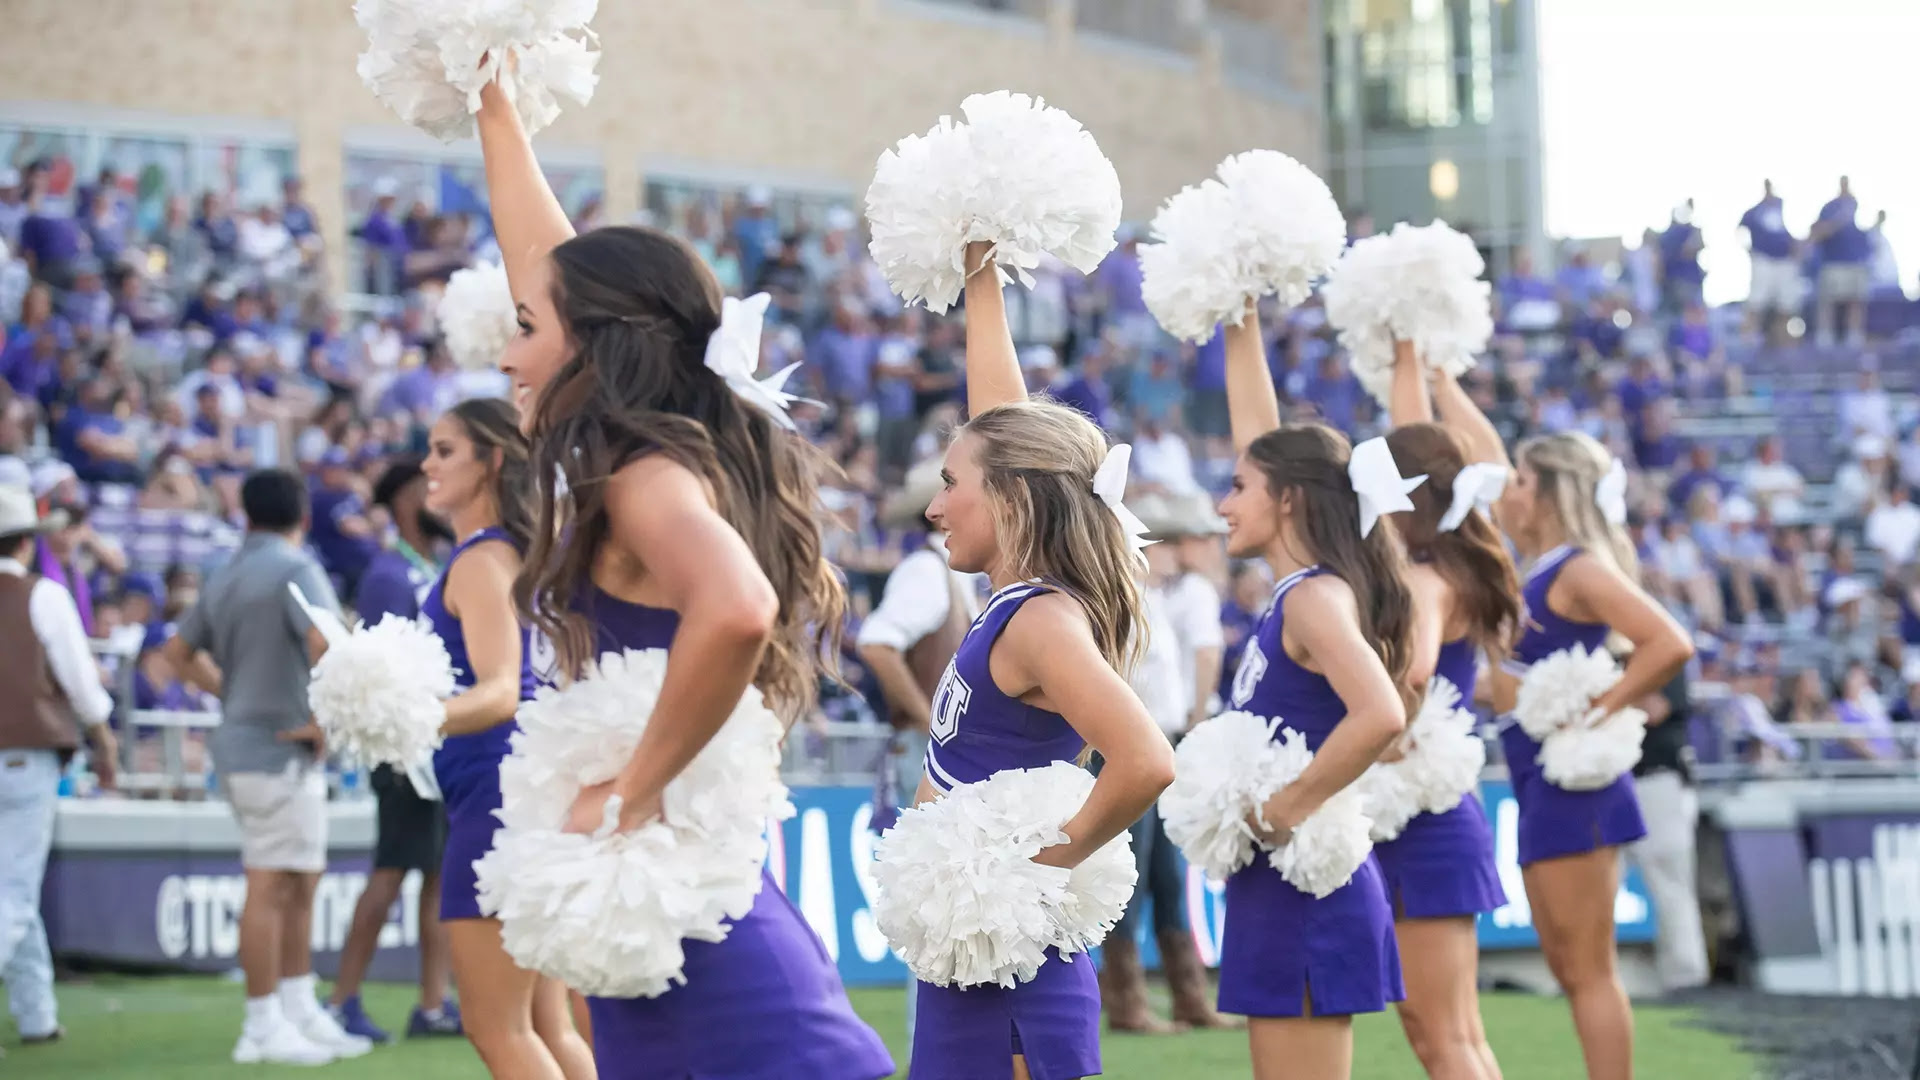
{"points": [[600, 810], [1274, 821]]}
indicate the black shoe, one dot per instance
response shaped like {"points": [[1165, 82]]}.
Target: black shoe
{"points": [[53, 1036]]}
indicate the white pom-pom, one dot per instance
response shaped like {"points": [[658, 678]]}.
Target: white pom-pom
{"points": [[1016, 173], [607, 914], [1267, 225], [1588, 758], [1224, 769], [1579, 750], [1420, 284], [1559, 689], [476, 315], [960, 897], [377, 692], [1331, 844], [1442, 763], [428, 59]]}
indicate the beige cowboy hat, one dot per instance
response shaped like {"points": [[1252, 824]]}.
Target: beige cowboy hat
{"points": [[906, 507], [19, 514], [1173, 517]]}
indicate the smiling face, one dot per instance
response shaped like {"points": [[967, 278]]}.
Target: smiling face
{"points": [[963, 510], [1251, 511], [1519, 503], [540, 348], [456, 476]]}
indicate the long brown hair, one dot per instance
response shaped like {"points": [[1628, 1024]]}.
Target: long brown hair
{"points": [[1471, 558], [1038, 460], [1310, 460], [493, 427], [638, 306]]}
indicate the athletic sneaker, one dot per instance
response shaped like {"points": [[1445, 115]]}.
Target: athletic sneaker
{"points": [[353, 1019], [321, 1029], [277, 1041], [441, 1022]]}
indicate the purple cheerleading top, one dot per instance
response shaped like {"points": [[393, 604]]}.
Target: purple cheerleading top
{"points": [[1543, 632], [977, 730]]}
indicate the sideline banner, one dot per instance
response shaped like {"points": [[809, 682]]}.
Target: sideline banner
{"points": [[151, 901]]}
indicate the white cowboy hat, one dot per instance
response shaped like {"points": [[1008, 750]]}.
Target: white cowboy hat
{"points": [[18, 513], [1171, 517], [906, 507]]}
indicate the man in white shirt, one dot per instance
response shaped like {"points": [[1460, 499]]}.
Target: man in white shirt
{"points": [[48, 681], [1773, 483], [908, 641], [1893, 527], [1175, 681]]}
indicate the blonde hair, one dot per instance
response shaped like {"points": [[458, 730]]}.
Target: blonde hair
{"points": [[1569, 467], [1037, 461]]}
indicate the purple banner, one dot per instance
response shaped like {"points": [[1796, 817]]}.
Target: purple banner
{"points": [[182, 910]]}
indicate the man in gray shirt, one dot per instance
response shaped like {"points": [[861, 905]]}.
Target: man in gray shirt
{"points": [[248, 641]]}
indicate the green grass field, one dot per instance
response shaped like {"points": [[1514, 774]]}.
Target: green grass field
{"points": [[122, 1028]]}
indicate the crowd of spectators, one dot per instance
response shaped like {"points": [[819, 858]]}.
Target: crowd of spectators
{"points": [[147, 368]]}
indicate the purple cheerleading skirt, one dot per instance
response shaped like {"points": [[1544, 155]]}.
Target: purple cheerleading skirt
{"points": [[1053, 1020], [765, 1004], [470, 786], [1441, 865], [1282, 947], [1555, 822]]}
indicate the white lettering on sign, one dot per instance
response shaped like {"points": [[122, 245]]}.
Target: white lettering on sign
{"points": [[816, 879], [198, 915], [867, 938]]}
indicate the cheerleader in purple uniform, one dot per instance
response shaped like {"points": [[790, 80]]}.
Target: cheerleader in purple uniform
{"points": [[1036, 680], [1332, 659], [1564, 511], [477, 479], [688, 525], [1440, 872]]}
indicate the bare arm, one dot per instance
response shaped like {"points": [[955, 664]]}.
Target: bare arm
{"points": [[1325, 623], [480, 594], [527, 218], [1432, 599], [993, 367], [897, 683], [1251, 402], [1593, 591], [193, 667], [1206, 677], [1047, 646], [659, 512], [1410, 401], [1459, 413]]}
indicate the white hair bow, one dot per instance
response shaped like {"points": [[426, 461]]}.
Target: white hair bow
{"points": [[1110, 484], [1378, 483], [733, 353], [1611, 494], [1478, 485]]}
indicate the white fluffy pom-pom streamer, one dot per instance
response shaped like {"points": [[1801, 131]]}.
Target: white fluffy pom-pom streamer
{"points": [[378, 691], [1420, 284], [607, 914], [1331, 844], [476, 315], [1588, 757], [963, 902], [1442, 763], [1224, 769], [428, 59], [1016, 173], [1267, 225], [1558, 690]]}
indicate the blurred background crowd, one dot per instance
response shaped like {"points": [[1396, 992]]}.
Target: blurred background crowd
{"points": [[159, 344]]}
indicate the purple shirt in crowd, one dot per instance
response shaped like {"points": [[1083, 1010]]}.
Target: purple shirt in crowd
{"points": [[1768, 230], [1678, 263], [1849, 243], [1119, 276], [52, 240]]}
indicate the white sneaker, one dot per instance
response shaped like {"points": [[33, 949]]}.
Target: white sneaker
{"points": [[279, 1043], [319, 1027]]}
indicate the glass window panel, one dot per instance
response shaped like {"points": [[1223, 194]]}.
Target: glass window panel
{"points": [[150, 171], [249, 173], [63, 152]]}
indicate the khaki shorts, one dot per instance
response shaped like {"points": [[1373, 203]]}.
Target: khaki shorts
{"points": [[1843, 283], [282, 817]]}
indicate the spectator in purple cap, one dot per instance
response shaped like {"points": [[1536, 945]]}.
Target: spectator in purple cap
{"points": [[342, 531]]}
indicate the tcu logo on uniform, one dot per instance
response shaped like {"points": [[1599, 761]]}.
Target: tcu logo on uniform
{"points": [[1253, 666], [949, 703]]}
